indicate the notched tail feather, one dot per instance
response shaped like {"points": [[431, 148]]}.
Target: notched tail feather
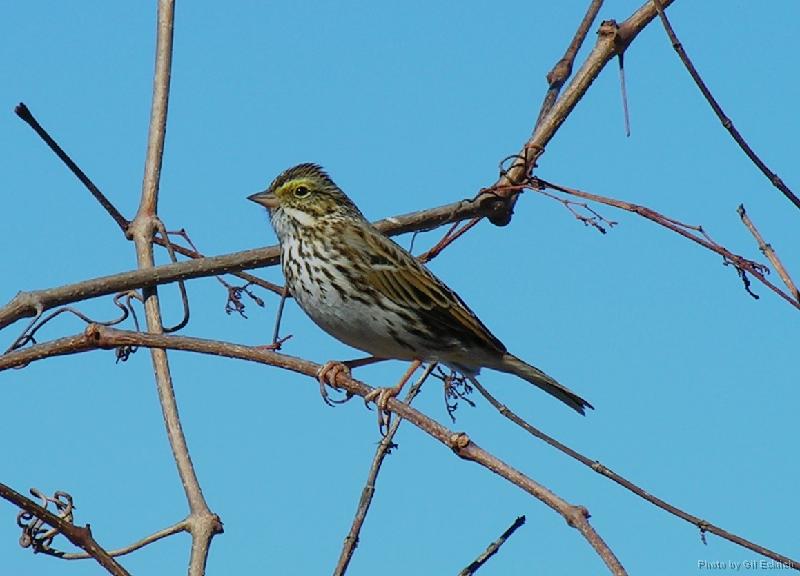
{"points": [[514, 365]]}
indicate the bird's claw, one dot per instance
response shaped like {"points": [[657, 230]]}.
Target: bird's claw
{"points": [[327, 375], [381, 397]]}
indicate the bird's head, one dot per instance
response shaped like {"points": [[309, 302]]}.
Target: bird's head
{"points": [[306, 194]]}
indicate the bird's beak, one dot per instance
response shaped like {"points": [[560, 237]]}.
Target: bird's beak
{"points": [[265, 198]]}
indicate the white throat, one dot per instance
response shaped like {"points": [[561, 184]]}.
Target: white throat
{"points": [[304, 218]]}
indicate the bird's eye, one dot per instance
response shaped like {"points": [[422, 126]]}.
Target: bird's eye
{"points": [[301, 192]]}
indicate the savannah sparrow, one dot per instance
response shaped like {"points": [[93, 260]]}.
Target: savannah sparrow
{"points": [[370, 293]]}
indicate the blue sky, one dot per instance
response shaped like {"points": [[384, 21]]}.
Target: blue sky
{"points": [[409, 106]]}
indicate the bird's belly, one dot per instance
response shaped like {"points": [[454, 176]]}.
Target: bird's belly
{"points": [[362, 325]]}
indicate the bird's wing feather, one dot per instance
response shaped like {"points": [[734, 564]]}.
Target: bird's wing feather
{"points": [[398, 276]]}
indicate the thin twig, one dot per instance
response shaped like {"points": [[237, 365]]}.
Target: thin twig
{"points": [[595, 465], [181, 285], [493, 548], [741, 263], [29, 334], [624, 94], [727, 123], [155, 537], [769, 252], [595, 220], [562, 69], [368, 491], [80, 536], [193, 252], [451, 236], [23, 112]]}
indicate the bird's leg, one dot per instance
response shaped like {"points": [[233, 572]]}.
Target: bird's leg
{"points": [[331, 369], [381, 396]]}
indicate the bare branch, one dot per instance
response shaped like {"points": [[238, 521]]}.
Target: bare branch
{"points": [[624, 94], [727, 123], [387, 443], [155, 537], [769, 252], [595, 220], [23, 112], [493, 548], [562, 70], [453, 234]]}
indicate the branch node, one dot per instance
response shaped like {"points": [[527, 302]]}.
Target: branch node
{"points": [[599, 467], [577, 516], [459, 441], [93, 332]]}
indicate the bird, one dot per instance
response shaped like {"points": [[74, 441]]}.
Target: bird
{"points": [[368, 292]]}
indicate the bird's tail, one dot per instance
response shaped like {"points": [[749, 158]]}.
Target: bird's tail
{"points": [[513, 365]]}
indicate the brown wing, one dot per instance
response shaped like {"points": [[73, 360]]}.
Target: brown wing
{"points": [[397, 275]]}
